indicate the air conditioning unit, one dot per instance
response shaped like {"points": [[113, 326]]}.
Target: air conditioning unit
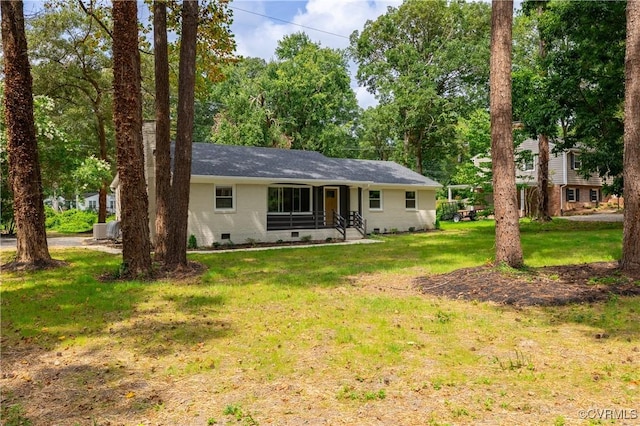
{"points": [[99, 231]]}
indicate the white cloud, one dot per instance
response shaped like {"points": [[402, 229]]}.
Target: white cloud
{"points": [[258, 36]]}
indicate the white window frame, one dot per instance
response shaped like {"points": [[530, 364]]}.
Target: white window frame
{"points": [[376, 209], [93, 205], [575, 196], [524, 163], [575, 159], [414, 199], [233, 199]]}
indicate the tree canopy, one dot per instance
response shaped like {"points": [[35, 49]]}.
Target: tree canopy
{"points": [[300, 100], [429, 62]]}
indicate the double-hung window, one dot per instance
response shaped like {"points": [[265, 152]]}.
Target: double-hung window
{"points": [[410, 200], [573, 194], [529, 164], [375, 199], [576, 161], [224, 198]]}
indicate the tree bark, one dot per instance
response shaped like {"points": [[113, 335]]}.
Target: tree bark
{"points": [[508, 248], [543, 179], [127, 114], [22, 145], [630, 262], [543, 154], [163, 126], [177, 251]]}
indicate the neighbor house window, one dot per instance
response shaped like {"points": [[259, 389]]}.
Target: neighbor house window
{"points": [[593, 195], [375, 200], [410, 200], [93, 205], [573, 194], [224, 197], [285, 199], [576, 162], [528, 164]]}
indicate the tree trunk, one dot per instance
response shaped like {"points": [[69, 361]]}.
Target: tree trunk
{"points": [[543, 179], [631, 234], [543, 154], [508, 248], [177, 251], [22, 145], [163, 126], [127, 115]]}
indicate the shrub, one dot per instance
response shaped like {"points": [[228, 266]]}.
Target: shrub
{"points": [[70, 221], [192, 243], [306, 238]]}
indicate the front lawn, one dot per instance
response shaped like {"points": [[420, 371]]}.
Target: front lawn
{"points": [[323, 335]]}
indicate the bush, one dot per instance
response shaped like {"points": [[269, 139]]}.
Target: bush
{"points": [[70, 221], [192, 243]]}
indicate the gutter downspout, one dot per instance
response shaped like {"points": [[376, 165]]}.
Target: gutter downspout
{"points": [[564, 181]]}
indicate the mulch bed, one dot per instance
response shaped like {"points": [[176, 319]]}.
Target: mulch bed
{"points": [[548, 286]]}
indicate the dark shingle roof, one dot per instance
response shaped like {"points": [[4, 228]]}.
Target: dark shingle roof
{"points": [[288, 164]]}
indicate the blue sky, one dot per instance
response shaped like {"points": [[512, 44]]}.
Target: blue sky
{"points": [[257, 35]]}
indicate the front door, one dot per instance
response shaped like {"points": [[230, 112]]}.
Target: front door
{"points": [[330, 204]]}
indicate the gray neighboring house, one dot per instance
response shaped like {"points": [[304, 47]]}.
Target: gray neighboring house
{"points": [[241, 193], [568, 190]]}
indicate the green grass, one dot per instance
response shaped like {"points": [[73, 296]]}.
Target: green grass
{"points": [[336, 329]]}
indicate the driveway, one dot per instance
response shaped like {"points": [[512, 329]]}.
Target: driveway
{"points": [[63, 242], [597, 217]]}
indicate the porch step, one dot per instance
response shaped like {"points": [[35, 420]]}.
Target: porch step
{"points": [[353, 234]]}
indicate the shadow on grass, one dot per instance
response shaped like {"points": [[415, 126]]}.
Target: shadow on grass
{"points": [[74, 392]]}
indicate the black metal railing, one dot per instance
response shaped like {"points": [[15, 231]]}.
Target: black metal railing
{"points": [[358, 222], [312, 220], [317, 220], [340, 223]]}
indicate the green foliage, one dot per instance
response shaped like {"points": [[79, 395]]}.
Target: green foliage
{"points": [[192, 243], [584, 66], [71, 67], [91, 173], [303, 100], [236, 411], [70, 221], [427, 64]]}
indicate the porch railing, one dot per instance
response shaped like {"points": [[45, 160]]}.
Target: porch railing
{"points": [[340, 223], [358, 222], [317, 220]]}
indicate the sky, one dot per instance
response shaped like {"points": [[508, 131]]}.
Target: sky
{"points": [[258, 25]]}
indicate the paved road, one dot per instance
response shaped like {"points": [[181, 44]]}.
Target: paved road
{"points": [[63, 242], [602, 217]]}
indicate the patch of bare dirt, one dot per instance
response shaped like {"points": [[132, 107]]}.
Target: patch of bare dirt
{"points": [[181, 273], [547, 286]]}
